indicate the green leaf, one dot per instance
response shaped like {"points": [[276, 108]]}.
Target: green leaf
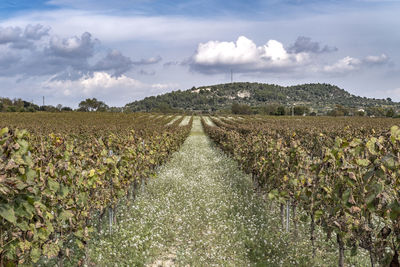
{"points": [[371, 201], [35, 255], [79, 233], [371, 145], [50, 250], [368, 175], [30, 175], [25, 245], [79, 243], [318, 214], [64, 191], [21, 134], [53, 185], [65, 215], [389, 162], [24, 145], [3, 131], [354, 251], [23, 225], [355, 142], [273, 194], [395, 210], [29, 208], [362, 162], [346, 196], [395, 131], [7, 212], [304, 218]]}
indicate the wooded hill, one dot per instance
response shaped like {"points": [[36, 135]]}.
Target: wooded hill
{"points": [[319, 97]]}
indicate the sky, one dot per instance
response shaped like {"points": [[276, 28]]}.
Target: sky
{"points": [[124, 50]]}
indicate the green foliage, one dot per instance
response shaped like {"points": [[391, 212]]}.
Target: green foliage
{"points": [[257, 95], [339, 110], [17, 105], [301, 110], [92, 104], [273, 109], [241, 109], [53, 185], [390, 113], [345, 174]]}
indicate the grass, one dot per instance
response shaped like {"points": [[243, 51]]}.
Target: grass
{"points": [[201, 210]]}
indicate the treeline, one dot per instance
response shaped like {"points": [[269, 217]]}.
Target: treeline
{"points": [[301, 110], [17, 105], [177, 101], [88, 105], [320, 97]]}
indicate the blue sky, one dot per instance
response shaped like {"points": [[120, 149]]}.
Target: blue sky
{"points": [[120, 51]]}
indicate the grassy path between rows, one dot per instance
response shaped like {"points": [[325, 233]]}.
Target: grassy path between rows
{"points": [[199, 210]]}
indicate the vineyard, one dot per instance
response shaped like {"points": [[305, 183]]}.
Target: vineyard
{"points": [[103, 189], [341, 175], [61, 173]]}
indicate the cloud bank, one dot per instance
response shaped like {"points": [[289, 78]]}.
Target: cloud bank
{"points": [[245, 56], [34, 51], [103, 85], [349, 64], [304, 56]]}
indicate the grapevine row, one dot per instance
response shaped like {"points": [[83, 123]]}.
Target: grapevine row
{"points": [[55, 186], [346, 180]]}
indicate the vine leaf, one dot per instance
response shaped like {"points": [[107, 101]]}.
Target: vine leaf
{"points": [[7, 212]]}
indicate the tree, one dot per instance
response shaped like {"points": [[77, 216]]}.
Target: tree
{"points": [[273, 109], [48, 108], [390, 113], [301, 110], [280, 111], [66, 109], [339, 111], [376, 111], [269, 109], [92, 104], [360, 113], [241, 109]]}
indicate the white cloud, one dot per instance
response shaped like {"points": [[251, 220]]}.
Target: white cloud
{"points": [[349, 64], [119, 90], [176, 38], [99, 81], [377, 60], [343, 65], [73, 46], [104, 80], [28, 53], [148, 61], [113, 28], [244, 51], [244, 55], [9, 34]]}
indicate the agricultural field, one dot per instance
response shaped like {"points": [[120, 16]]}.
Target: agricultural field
{"points": [[340, 176], [102, 189], [61, 173]]}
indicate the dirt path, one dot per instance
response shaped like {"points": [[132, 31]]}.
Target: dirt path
{"points": [[200, 210]]}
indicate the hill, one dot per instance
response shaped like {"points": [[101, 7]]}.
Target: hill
{"points": [[316, 96]]}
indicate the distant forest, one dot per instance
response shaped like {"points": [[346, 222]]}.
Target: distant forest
{"points": [[270, 99], [237, 98]]}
